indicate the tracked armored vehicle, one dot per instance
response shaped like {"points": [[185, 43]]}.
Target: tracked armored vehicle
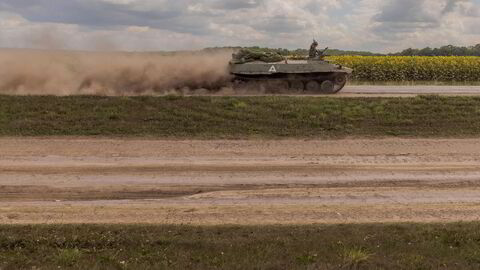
{"points": [[314, 75]]}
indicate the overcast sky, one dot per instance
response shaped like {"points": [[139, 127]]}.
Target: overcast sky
{"points": [[375, 25]]}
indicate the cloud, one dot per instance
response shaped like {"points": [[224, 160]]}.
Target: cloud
{"points": [[105, 14], [282, 24], [450, 6], [380, 25], [236, 4], [403, 15], [421, 23], [469, 8]]}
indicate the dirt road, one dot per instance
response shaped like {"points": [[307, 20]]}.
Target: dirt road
{"points": [[76, 180], [411, 90], [362, 91]]}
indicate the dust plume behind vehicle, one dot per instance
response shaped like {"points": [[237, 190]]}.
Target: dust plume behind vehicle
{"points": [[48, 72]]}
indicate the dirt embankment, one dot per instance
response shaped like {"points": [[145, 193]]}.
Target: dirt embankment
{"points": [[77, 180]]}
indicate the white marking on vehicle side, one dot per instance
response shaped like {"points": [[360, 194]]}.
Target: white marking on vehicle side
{"points": [[272, 69]]}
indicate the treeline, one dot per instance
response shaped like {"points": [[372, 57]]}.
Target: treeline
{"points": [[448, 50]]}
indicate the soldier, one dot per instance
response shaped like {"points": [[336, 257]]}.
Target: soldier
{"points": [[314, 53], [313, 49]]}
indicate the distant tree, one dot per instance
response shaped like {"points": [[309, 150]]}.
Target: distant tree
{"points": [[448, 50], [408, 52], [475, 50], [426, 52]]}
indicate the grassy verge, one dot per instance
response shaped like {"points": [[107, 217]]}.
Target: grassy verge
{"points": [[405, 246], [239, 117]]}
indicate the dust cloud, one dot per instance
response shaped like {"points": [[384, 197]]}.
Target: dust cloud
{"points": [[42, 72]]}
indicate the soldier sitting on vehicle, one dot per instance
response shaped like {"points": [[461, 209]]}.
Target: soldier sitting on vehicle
{"points": [[313, 49], [314, 53]]}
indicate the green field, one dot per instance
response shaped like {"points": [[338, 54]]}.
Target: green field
{"points": [[239, 117], [401, 246]]}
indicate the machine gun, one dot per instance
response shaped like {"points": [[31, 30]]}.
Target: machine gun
{"points": [[321, 54]]}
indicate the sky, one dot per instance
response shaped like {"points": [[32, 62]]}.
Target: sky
{"points": [[153, 25]]}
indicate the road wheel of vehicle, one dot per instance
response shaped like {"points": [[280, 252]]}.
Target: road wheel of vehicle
{"points": [[340, 79], [248, 85], [283, 86], [238, 84], [275, 86], [297, 86], [327, 87], [312, 86]]}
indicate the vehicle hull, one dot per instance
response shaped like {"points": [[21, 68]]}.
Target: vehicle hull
{"points": [[314, 76]]}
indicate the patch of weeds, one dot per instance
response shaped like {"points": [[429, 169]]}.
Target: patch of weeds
{"points": [[238, 104], [307, 259], [452, 239], [68, 257], [108, 262], [473, 256], [413, 261], [353, 258], [113, 117]]}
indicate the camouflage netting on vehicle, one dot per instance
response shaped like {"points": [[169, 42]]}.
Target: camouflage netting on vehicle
{"points": [[248, 55]]}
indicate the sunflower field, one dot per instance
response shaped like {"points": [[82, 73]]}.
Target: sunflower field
{"points": [[412, 68]]}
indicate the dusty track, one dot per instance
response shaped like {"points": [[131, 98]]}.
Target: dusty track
{"points": [[411, 90], [357, 91], [378, 91], [77, 180]]}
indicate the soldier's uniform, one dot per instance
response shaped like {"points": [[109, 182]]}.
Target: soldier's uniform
{"points": [[313, 50]]}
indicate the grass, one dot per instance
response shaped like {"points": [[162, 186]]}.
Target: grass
{"points": [[239, 117], [68, 257], [399, 246], [355, 257]]}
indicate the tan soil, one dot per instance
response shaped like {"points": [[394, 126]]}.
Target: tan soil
{"points": [[367, 91], [405, 90], [95, 180]]}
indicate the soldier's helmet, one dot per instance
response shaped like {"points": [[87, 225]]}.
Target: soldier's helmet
{"points": [[315, 43]]}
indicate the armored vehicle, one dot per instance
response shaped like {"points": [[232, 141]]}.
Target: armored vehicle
{"points": [[314, 75]]}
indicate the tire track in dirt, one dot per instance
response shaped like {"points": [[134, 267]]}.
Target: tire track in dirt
{"points": [[99, 180]]}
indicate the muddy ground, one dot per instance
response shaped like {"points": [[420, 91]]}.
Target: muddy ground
{"points": [[97, 180]]}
